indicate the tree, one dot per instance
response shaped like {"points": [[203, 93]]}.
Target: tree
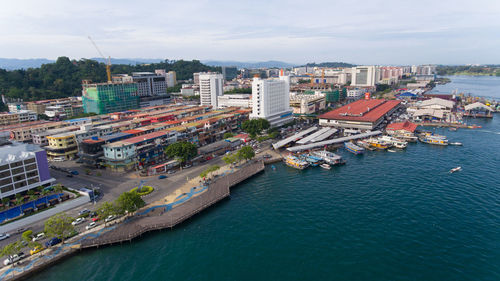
{"points": [[107, 209], [230, 158], [255, 126], [59, 226], [246, 153], [209, 170], [12, 248], [228, 135], [129, 202], [182, 151], [27, 235]]}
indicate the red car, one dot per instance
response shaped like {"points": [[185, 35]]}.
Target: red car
{"points": [[95, 219]]}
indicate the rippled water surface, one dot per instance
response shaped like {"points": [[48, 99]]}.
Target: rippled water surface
{"points": [[383, 216]]}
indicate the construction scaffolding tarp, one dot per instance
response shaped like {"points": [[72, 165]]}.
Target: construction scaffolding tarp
{"points": [[325, 135], [312, 136], [293, 138], [332, 141]]}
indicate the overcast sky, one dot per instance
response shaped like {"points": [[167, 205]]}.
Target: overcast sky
{"points": [[355, 31]]}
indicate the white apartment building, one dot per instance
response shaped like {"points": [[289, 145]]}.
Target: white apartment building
{"points": [[27, 115], [149, 84], [238, 100], [364, 76], [271, 100], [211, 86], [355, 94]]}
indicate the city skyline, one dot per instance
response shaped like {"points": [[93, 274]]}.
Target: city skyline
{"points": [[358, 32]]}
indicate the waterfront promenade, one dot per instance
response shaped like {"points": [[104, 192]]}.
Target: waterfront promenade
{"points": [[153, 217]]}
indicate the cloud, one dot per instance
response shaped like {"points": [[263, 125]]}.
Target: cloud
{"points": [[359, 31]]}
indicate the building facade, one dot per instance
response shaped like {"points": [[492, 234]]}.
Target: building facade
{"points": [[364, 76], [103, 98], [271, 100], [22, 167], [211, 87], [237, 100]]}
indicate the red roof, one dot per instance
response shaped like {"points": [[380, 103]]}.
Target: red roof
{"points": [[407, 126], [133, 131], [362, 110], [144, 137]]}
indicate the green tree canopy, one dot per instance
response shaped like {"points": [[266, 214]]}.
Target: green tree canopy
{"points": [[107, 209], [12, 248], [209, 170], [182, 151], [228, 135], [255, 126], [230, 158], [129, 202], [246, 153], [59, 226], [27, 235]]}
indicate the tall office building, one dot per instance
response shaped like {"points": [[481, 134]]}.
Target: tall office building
{"points": [[271, 100], [102, 98], [229, 72], [211, 86], [364, 76]]}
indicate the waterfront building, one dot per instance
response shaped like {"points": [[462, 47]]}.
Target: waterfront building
{"points": [[365, 114], [271, 100], [21, 116], [305, 104], [102, 98], [22, 167], [364, 76], [211, 87], [478, 109], [437, 103], [401, 128], [237, 100]]}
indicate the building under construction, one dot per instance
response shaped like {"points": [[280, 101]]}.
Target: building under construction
{"points": [[103, 98]]}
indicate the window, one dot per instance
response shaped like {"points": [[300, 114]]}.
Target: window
{"points": [[7, 188], [30, 167], [5, 174], [4, 167], [18, 171]]}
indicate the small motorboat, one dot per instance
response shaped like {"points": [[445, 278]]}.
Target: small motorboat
{"points": [[455, 169], [456, 143], [453, 129], [325, 166], [391, 150]]}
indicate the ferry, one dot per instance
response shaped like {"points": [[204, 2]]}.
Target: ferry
{"points": [[395, 142], [295, 162], [329, 157], [438, 140], [351, 147], [365, 145], [379, 144], [313, 160], [407, 136]]}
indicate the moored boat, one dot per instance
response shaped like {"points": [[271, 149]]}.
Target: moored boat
{"points": [[295, 162], [325, 166], [378, 144], [456, 143], [394, 141], [329, 157], [431, 139], [351, 147]]}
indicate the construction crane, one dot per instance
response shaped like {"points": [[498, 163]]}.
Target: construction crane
{"points": [[108, 61]]}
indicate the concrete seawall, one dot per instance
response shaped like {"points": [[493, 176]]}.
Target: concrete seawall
{"points": [[134, 227]]}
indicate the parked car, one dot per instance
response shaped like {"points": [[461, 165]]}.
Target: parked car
{"points": [[36, 250], [21, 230], [110, 218], [78, 221], [74, 172], [187, 166], [39, 236], [4, 236], [95, 219], [69, 175], [14, 258], [162, 177], [91, 225], [267, 156], [93, 214], [83, 212], [52, 242]]}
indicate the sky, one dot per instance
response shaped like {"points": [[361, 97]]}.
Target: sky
{"points": [[396, 32]]}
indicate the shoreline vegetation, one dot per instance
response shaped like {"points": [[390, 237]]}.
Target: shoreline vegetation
{"points": [[469, 70]]}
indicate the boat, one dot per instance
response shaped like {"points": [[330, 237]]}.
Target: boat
{"points": [[329, 157], [365, 145], [325, 166], [474, 127], [394, 141], [313, 160], [295, 162], [391, 150], [437, 140], [456, 143], [455, 169], [378, 144], [407, 136], [351, 147], [453, 129]]}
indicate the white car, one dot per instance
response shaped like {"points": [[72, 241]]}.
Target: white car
{"points": [[78, 221], [91, 225], [39, 236], [14, 258], [4, 236], [110, 218]]}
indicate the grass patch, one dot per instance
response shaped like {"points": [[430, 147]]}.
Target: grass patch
{"points": [[145, 190]]}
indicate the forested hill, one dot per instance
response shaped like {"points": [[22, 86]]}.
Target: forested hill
{"points": [[64, 77]]}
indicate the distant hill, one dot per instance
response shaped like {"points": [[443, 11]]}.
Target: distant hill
{"points": [[330, 64], [11, 64], [239, 64]]}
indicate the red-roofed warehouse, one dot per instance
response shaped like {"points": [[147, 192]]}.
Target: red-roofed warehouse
{"points": [[361, 114]]}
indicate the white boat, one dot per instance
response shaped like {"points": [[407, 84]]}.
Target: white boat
{"points": [[329, 157], [391, 150], [395, 142], [325, 166], [455, 169], [456, 143]]}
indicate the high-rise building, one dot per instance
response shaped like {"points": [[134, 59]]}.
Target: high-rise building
{"points": [[148, 83], [211, 86], [229, 72], [271, 100], [364, 76], [22, 167], [103, 98]]}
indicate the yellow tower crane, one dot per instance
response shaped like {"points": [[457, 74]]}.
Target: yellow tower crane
{"points": [[108, 61]]}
